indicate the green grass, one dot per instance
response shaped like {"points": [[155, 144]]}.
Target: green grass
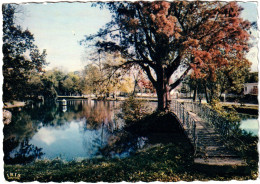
{"points": [[169, 162], [246, 109]]}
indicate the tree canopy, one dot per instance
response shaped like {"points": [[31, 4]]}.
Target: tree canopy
{"points": [[20, 56], [166, 38]]}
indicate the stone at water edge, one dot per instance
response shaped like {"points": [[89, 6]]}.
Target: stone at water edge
{"points": [[7, 117]]}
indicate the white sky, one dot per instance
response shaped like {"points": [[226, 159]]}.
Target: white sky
{"points": [[58, 28], [250, 13]]}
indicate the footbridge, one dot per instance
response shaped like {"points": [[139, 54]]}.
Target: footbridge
{"points": [[207, 132]]}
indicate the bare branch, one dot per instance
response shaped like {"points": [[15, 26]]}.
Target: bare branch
{"points": [[149, 74], [177, 82]]}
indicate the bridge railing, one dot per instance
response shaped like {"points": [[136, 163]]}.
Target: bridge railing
{"points": [[224, 127], [187, 121]]}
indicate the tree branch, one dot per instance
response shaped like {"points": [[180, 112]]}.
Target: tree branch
{"points": [[139, 51], [148, 38], [177, 82], [149, 74]]}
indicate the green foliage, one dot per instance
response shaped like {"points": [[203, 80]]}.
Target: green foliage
{"points": [[103, 76], [17, 65], [251, 77], [134, 110], [91, 75], [61, 83], [228, 79], [243, 143], [229, 114]]}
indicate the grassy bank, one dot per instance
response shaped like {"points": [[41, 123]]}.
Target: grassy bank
{"points": [[13, 104], [170, 162], [244, 109]]}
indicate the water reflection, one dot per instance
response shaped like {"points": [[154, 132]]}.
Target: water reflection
{"points": [[250, 126], [25, 152], [77, 130], [123, 144], [249, 123]]}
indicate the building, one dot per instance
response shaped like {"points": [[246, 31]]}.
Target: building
{"points": [[251, 88]]}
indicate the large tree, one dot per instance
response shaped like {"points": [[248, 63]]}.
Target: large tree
{"points": [[169, 39], [20, 56]]}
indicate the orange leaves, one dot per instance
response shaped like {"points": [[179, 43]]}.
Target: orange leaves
{"points": [[146, 84], [163, 22], [202, 56], [197, 74], [221, 35], [191, 43], [160, 6], [204, 34], [235, 21], [234, 9], [246, 25], [202, 61]]}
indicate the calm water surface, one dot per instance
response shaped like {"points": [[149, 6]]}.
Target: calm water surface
{"points": [[250, 125], [48, 131]]}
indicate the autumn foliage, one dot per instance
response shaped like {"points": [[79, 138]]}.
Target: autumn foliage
{"points": [[168, 38]]}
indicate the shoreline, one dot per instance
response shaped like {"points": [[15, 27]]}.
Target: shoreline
{"points": [[9, 105]]}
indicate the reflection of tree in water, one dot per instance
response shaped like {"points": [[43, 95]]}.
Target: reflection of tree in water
{"points": [[93, 141], [24, 125], [26, 122], [100, 115], [100, 121], [26, 153], [21, 127], [123, 143]]}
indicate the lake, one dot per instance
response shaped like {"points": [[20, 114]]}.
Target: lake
{"points": [[48, 131], [250, 125]]}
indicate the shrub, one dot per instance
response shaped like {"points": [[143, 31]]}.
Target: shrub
{"points": [[134, 110]]}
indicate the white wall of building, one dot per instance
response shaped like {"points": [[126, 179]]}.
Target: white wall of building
{"points": [[250, 88]]}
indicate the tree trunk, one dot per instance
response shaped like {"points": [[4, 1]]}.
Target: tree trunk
{"points": [[163, 100], [135, 87], [163, 93], [206, 94], [195, 94]]}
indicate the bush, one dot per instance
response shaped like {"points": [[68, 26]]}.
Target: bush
{"points": [[134, 110]]}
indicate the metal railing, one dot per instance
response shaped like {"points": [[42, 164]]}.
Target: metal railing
{"points": [[229, 131], [187, 121], [224, 127]]}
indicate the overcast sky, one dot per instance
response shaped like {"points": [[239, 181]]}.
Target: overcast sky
{"points": [[58, 27]]}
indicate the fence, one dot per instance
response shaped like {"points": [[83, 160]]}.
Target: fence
{"points": [[224, 127], [187, 121]]}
